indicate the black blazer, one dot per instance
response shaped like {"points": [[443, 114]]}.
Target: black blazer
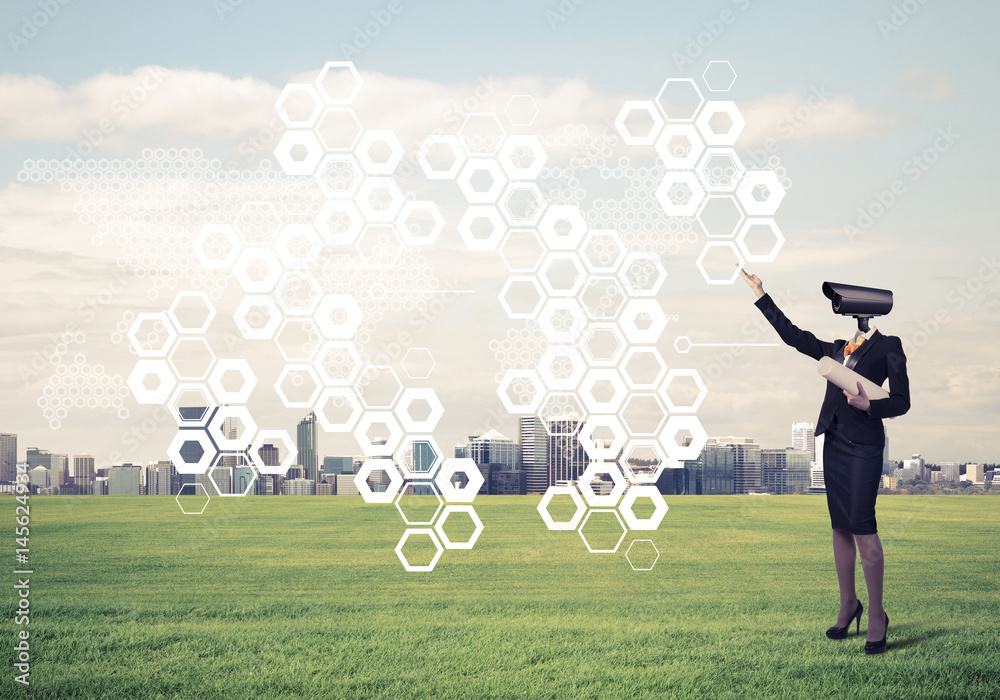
{"points": [[878, 358]]}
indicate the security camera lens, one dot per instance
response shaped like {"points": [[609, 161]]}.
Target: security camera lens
{"points": [[836, 302]]}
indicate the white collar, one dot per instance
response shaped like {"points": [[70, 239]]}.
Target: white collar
{"points": [[858, 335]]}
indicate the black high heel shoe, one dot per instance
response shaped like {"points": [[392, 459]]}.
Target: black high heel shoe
{"points": [[841, 632], [879, 646]]}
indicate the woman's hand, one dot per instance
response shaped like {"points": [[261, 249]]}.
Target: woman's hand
{"points": [[860, 400], [754, 281]]}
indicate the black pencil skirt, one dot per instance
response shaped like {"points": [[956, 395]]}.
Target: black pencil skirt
{"points": [[852, 472]]}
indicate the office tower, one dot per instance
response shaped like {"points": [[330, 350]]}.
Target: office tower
{"points": [[299, 487], [38, 458], [905, 473], [714, 472], [567, 458], [270, 457], [242, 479], [491, 451], [83, 474], [8, 457], [305, 441], [534, 454], [917, 466], [39, 477], [60, 469], [124, 481], [950, 471], [974, 473], [804, 438], [159, 478], [325, 487], [509, 482], [818, 459], [785, 470], [817, 484], [672, 481], [337, 465], [462, 450], [746, 464], [345, 485]]}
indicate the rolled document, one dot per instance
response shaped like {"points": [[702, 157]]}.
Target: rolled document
{"points": [[847, 379]]}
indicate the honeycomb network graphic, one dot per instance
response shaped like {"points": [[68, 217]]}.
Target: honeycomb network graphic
{"points": [[321, 246]]}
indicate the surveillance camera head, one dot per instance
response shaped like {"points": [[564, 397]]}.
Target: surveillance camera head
{"points": [[860, 302]]}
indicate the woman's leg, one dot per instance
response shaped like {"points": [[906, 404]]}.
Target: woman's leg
{"points": [[843, 558], [873, 564]]}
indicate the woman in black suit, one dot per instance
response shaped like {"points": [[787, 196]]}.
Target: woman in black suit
{"points": [[852, 456]]}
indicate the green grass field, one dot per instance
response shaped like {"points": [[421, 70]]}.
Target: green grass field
{"points": [[287, 597]]}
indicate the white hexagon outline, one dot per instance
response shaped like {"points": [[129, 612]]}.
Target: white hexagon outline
{"points": [[569, 213], [451, 466], [570, 305], [234, 250], [209, 451], [342, 206], [419, 531], [507, 239], [296, 262], [306, 277], [262, 253], [361, 480], [368, 139], [351, 163], [636, 492], [519, 222], [506, 110], [401, 463], [363, 198], [298, 367], [196, 485], [577, 283], [172, 312], [411, 425], [471, 542], [620, 539], [357, 362], [208, 368], [258, 300], [376, 264], [339, 64], [422, 482], [585, 435], [647, 256], [215, 426], [655, 559], [219, 493], [599, 312], [299, 320], [779, 239], [603, 374], [229, 365], [712, 89], [298, 123], [609, 500], [456, 148], [345, 393], [553, 352], [680, 80], [636, 105], [639, 395], [557, 490], [508, 379], [291, 452], [143, 368], [519, 279], [675, 162], [683, 408], [775, 190], [179, 389], [160, 316], [482, 211], [503, 133], [298, 137], [392, 441], [339, 149], [408, 236], [507, 153], [395, 377], [658, 321], [603, 269], [470, 168], [677, 344], [632, 352], [712, 108], [699, 263], [417, 376], [338, 331], [729, 153], [618, 354], [674, 425], [680, 177], [701, 210], [643, 478]]}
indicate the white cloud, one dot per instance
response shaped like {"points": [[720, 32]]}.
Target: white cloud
{"points": [[928, 83]]}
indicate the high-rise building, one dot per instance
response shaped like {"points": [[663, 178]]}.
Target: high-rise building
{"points": [[817, 484], [60, 470], [975, 473], [8, 457], [804, 438], [39, 477], [492, 448], [950, 471], [712, 473], [38, 458], [785, 470], [84, 474], [887, 466], [346, 485], [916, 463], [746, 462], [534, 454], [269, 457], [299, 487], [124, 481], [338, 465], [305, 441], [159, 478], [567, 458]]}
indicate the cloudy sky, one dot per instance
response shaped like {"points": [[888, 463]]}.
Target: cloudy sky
{"points": [[880, 115]]}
